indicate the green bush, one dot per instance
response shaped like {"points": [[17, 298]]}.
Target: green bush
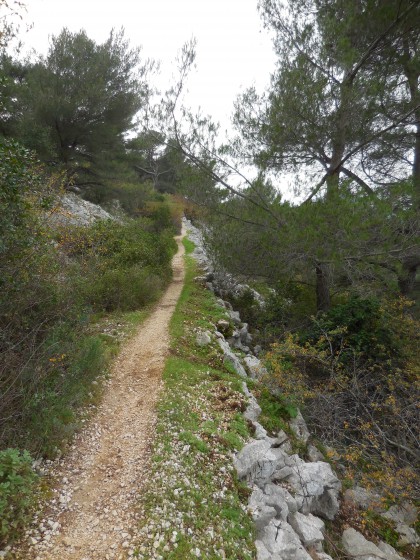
{"points": [[359, 325], [131, 195], [122, 266], [124, 289], [17, 485], [287, 307], [72, 361], [247, 306], [276, 410]]}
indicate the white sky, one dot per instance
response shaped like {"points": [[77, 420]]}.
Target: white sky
{"points": [[233, 49]]}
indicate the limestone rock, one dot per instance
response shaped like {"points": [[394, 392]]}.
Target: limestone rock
{"points": [[326, 505], [282, 542], [253, 410], [246, 391], [316, 486], [407, 535], [79, 212], [245, 337], [262, 552], [282, 440], [261, 516], [231, 358], [390, 551], [308, 527], [235, 341], [203, 338], [255, 367], [256, 462], [234, 315], [280, 499], [299, 427], [361, 497], [256, 499], [356, 546], [260, 432], [314, 454], [404, 513]]}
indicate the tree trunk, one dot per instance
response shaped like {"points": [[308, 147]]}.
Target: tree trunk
{"points": [[411, 263], [407, 278], [323, 299], [416, 162]]}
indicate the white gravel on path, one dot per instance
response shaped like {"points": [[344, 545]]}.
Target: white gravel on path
{"points": [[93, 513]]}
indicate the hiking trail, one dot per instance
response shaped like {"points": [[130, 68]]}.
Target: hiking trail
{"points": [[92, 515]]}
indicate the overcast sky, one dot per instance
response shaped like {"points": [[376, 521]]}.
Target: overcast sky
{"points": [[233, 49]]}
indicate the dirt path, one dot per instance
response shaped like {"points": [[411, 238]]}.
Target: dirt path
{"points": [[93, 514]]}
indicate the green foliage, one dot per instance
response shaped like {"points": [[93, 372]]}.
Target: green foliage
{"points": [[359, 325], [287, 306], [51, 281], [248, 308], [16, 179], [17, 487], [355, 370], [75, 113], [134, 263], [124, 289], [194, 441], [276, 410], [189, 246], [381, 526], [72, 380]]}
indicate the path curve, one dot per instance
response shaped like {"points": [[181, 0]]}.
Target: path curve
{"points": [[94, 513]]}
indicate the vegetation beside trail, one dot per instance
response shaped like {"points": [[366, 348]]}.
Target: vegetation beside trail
{"points": [[69, 296], [338, 263], [338, 266], [193, 506]]}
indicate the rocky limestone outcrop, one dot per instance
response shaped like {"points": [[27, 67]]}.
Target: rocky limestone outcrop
{"points": [[290, 497], [73, 210], [356, 546]]}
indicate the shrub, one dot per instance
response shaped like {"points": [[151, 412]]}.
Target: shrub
{"points": [[286, 309], [124, 289], [247, 306], [355, 369], [72, 361], [17, 486], [132, 195], [358, 325], [121, 266], [50, 282]]}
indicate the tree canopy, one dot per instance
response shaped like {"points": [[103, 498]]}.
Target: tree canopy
{"points": [[75, 105]]}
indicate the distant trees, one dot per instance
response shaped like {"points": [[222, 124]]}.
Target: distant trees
{"points": [[75, 105]]}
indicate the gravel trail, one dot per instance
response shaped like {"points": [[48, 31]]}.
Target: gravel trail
{"points": [[93, 513]]}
